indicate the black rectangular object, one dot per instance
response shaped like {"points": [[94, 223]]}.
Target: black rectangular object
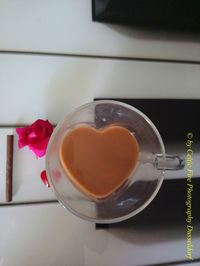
{"points": [[169, 14], [168, 207], [174, 118]]}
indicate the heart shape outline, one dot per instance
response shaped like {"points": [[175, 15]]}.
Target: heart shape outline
{"points": [[99, 161]]}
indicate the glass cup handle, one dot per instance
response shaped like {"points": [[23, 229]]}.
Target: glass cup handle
{"points": [[170, 162]]}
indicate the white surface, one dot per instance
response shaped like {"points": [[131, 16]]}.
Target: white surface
{"points": [[66, 26], [49, 235], [51, 86], [42, 236], [27, 185]]}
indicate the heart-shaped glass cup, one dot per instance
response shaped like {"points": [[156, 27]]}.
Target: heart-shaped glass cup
{"points": [[139, 189]]}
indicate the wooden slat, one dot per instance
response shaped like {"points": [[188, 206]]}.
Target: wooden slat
{"points": [[33, 87], [9, 167]]}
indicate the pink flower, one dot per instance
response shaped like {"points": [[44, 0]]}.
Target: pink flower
{"points": [[35, 136]]}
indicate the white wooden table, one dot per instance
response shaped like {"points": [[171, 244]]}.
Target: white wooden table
{"points": [[53, 58]]}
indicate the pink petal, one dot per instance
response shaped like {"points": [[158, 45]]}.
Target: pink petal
{"points": [[21, 143], [44, 178], [39, 148], [22, 136], [32, 136], [40, 129], [21, 130], [39, 153], [35, 136]]}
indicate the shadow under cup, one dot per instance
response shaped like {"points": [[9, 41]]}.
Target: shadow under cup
{"points": [[138, 191]]}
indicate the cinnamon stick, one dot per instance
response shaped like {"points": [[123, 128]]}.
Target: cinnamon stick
{"points": [[9, 167]]}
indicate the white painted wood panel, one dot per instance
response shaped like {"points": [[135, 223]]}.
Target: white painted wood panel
{"points": [[33, 87], [66, 26], [44, 235], [49, 235]]}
